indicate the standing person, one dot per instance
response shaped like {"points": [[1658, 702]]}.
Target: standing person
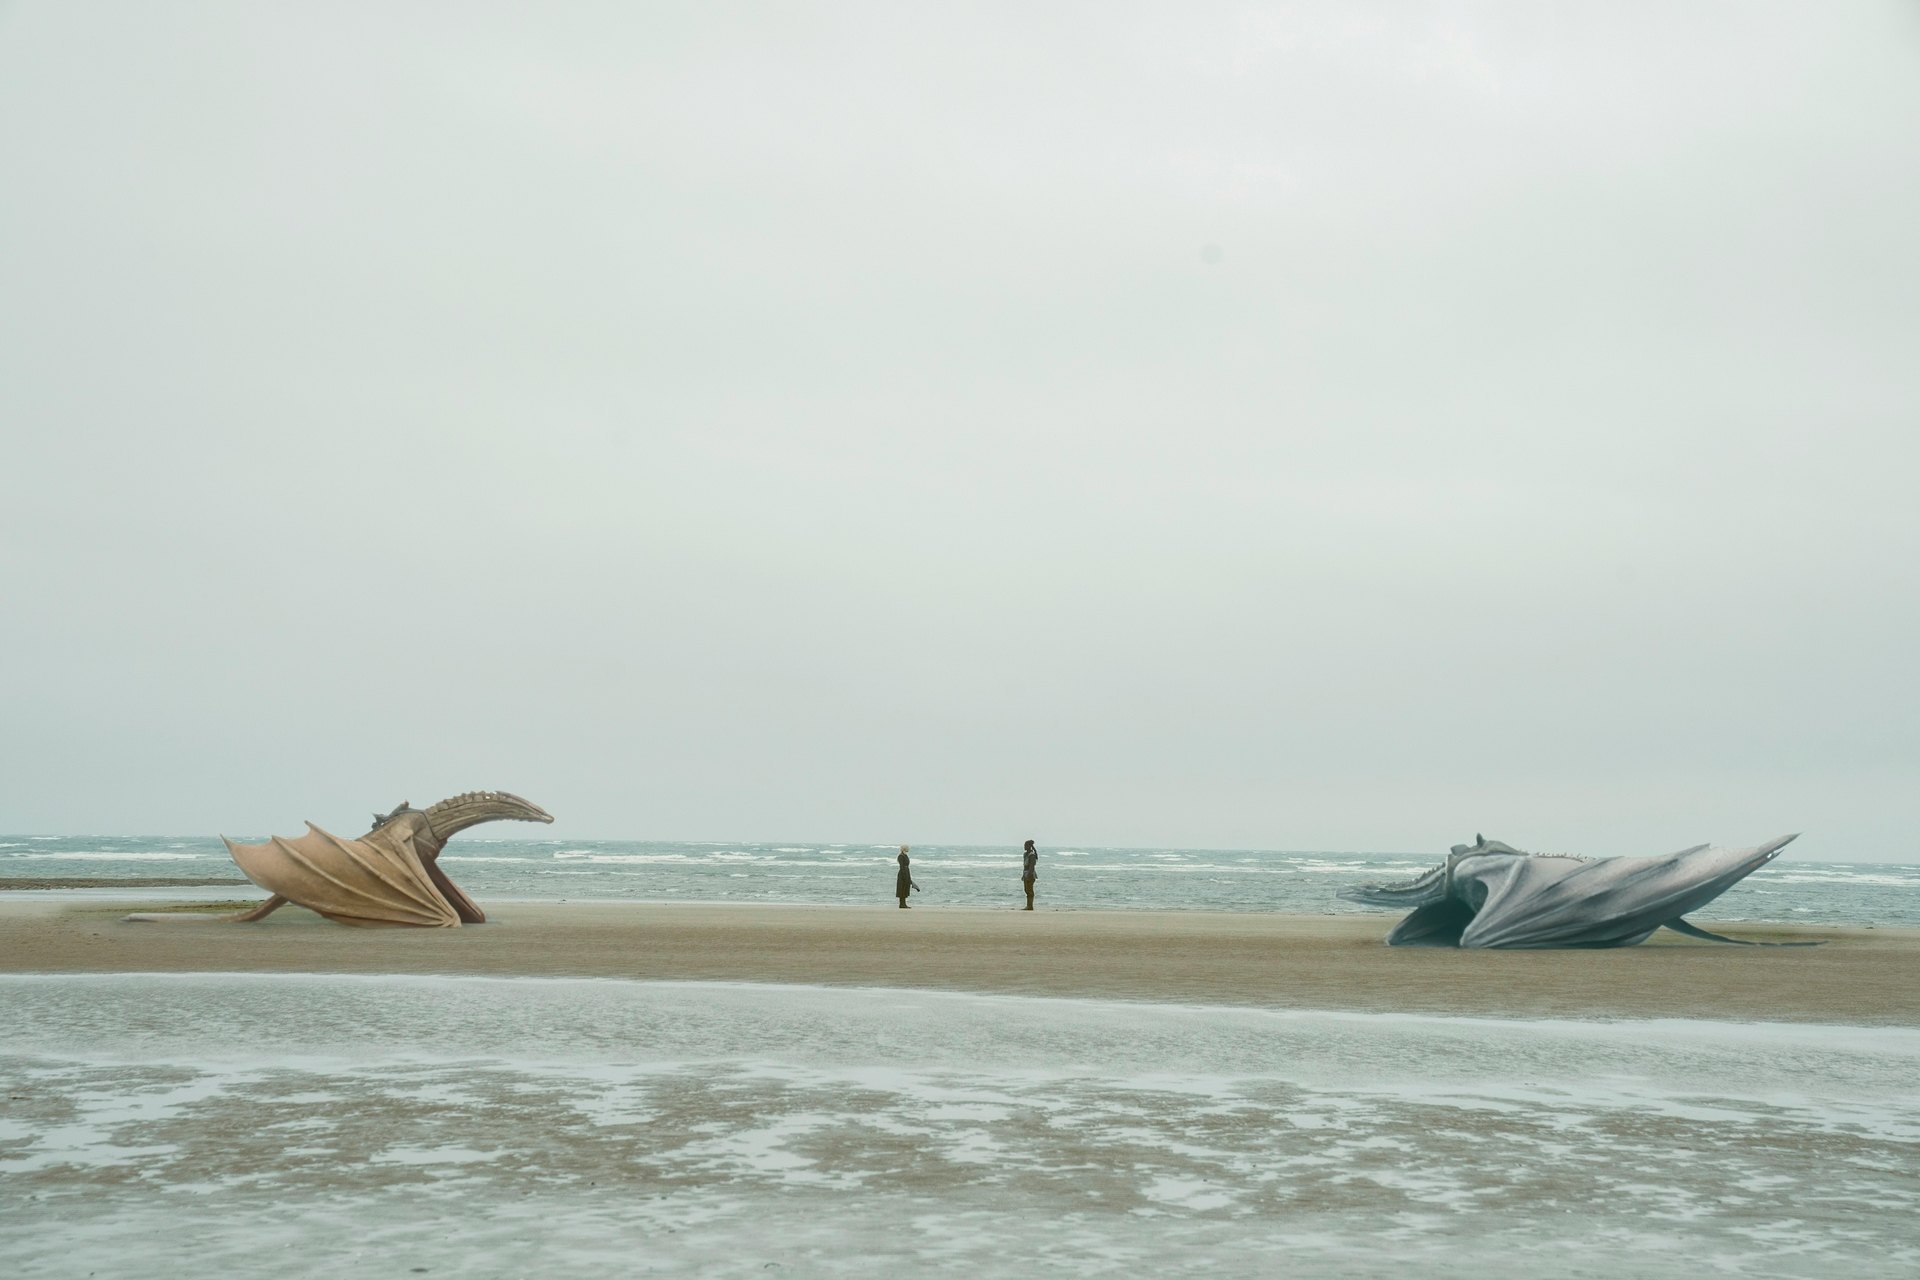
{"points": [[1029, 871], [903, 882]]}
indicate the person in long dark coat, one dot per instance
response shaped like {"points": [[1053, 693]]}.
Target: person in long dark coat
{"points": [[903, 882], [1029, 871]]}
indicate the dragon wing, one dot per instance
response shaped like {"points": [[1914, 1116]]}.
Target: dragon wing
{"points": [[379, 879], [1610, 902]]}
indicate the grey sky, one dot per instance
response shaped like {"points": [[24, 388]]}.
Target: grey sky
{"points": [[1304, 426]]}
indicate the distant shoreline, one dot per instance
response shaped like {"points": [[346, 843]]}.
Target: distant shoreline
{"points": [[1862, 976]]}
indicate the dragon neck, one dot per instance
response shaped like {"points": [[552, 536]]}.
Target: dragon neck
{"points": [[472, 808]]}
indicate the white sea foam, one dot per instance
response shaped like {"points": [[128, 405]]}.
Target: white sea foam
{"points": [[1847, 877], [489, 857], [589, 855], [95, 855]]}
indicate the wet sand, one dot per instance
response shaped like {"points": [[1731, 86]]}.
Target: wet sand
{"points": [[1862, 976]]}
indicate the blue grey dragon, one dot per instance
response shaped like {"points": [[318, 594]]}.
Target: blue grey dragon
{"points": [[1492, 895]]}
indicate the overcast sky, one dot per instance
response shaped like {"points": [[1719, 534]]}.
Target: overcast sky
{"points": [[1312, 426]]}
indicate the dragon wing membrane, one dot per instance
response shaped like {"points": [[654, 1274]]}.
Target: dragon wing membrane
{"points": [[370, 881], [1609, 902], [1535, 902]]}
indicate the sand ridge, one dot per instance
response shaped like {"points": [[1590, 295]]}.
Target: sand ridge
{"points": [[1862, 976]]}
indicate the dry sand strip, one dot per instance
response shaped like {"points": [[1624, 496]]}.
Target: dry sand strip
{"points": [[1862, 976]]}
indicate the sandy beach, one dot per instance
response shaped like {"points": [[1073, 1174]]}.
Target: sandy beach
{"points": [[1861, 976]]}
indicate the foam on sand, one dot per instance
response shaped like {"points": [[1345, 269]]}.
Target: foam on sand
{"points": [[510, 1126]]}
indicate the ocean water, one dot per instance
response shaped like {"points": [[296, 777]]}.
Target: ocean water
{"points": [[330, 1126], [954, 875]]}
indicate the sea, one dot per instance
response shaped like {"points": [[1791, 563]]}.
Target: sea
{"points": [[1071, 878]]}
